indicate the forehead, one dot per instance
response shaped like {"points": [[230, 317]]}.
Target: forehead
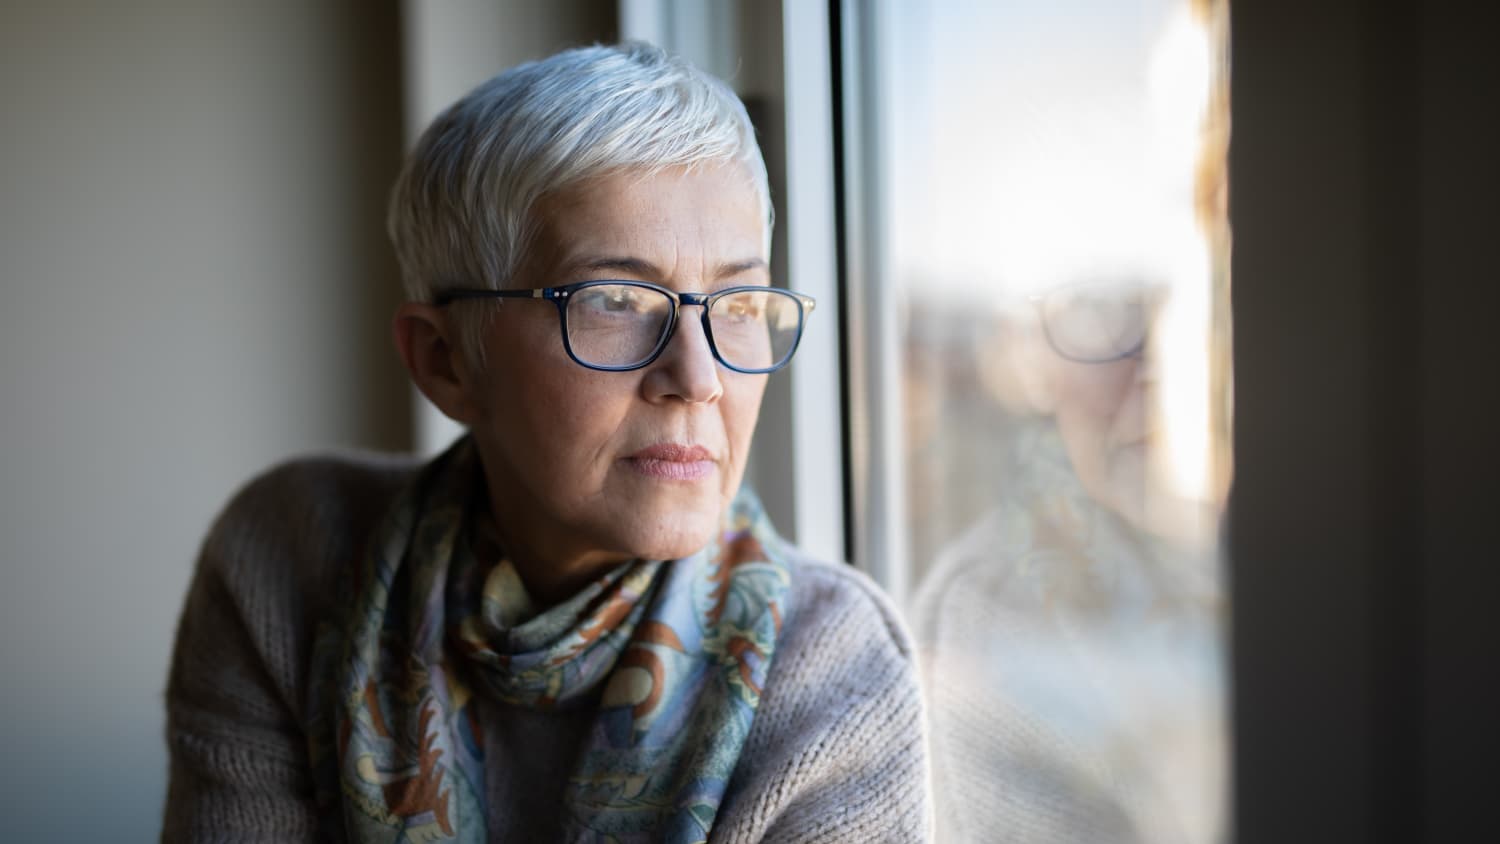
{"points": [[676, 219]]}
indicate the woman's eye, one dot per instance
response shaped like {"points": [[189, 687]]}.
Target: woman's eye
{"points": [[613, 300], [742, 310]]}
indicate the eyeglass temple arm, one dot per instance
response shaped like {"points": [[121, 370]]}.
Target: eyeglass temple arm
{"points": [[447, 296]]}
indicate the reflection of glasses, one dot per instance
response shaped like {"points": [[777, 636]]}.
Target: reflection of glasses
{"points": [[622, 325], [1096, 323]]}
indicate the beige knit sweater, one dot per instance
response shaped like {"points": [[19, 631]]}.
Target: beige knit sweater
{"points": [[836, 752]]}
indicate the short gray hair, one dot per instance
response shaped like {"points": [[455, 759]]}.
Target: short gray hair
{"points": [[461, 211]]}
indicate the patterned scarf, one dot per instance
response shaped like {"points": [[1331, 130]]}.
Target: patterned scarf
{"points": [[673, 655]]}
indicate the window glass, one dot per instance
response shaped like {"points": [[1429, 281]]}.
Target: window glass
{"points": [[1052, 238]]}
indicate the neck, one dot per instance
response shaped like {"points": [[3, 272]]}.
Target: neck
{"points": [[554, 565], [551, 572], [554, 576]]}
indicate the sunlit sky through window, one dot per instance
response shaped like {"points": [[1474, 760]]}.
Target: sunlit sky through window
{"points": [[1034, 145]]}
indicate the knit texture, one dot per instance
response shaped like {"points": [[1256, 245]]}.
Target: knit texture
{"points": [[1074, 674], [836, 752]]}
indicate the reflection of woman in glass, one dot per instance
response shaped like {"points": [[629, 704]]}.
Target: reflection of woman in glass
{"points": [[1072, 635], [1074, 656]]}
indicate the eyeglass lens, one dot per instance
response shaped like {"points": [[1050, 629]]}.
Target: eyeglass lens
{"points": [[1096, 323], [622, 325]]}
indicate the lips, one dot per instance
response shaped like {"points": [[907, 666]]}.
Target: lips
{"points": [[673, 461]]}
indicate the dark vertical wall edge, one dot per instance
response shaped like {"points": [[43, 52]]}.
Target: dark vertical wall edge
{"points": [[1366, 645], [1390, 66], [1304, 529], [375, 148], [1460, 149]]}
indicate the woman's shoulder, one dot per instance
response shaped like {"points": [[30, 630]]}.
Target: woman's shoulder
{"points": [[333, 479], [837, 749], [265, 577], [840, 599], [307, 494], [287, 532], [842, 642]]}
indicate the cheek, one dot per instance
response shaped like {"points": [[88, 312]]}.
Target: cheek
{"points": [[1094, 393], [1092, 401], [553, 419], [741, 406], [575, 421]]}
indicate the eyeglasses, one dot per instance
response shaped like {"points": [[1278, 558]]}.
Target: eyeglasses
{"points": [[617, 326], [1096, 323]]}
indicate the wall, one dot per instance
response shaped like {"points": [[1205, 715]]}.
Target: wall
{"points": [[196, 283], [1361, 537]]}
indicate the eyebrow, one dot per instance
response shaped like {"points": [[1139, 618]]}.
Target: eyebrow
{"points": [[642, 267]]}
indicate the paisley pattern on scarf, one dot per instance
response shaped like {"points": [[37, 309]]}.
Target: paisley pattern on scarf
{"points": [[672, 656]]}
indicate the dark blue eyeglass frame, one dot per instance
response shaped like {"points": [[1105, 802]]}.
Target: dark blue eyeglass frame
{"points": [[561, 295]]}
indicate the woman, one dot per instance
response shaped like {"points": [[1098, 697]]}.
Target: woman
{"points": [[490, 646], [1072, 636]]}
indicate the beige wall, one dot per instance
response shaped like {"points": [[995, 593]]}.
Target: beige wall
{"points": [[195, 284]]}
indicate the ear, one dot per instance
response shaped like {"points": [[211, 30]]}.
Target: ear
{"points": [[432, 355]]}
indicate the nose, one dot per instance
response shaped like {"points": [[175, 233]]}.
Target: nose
{"points": [[686, 369]]}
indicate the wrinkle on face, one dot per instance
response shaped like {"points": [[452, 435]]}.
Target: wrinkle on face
{"points": [[555, 436]]}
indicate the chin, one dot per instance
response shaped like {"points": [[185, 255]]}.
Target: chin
{"points": [[675, 536]]}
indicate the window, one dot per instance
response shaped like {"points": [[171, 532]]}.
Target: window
{"points": [[1036, 294]]}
